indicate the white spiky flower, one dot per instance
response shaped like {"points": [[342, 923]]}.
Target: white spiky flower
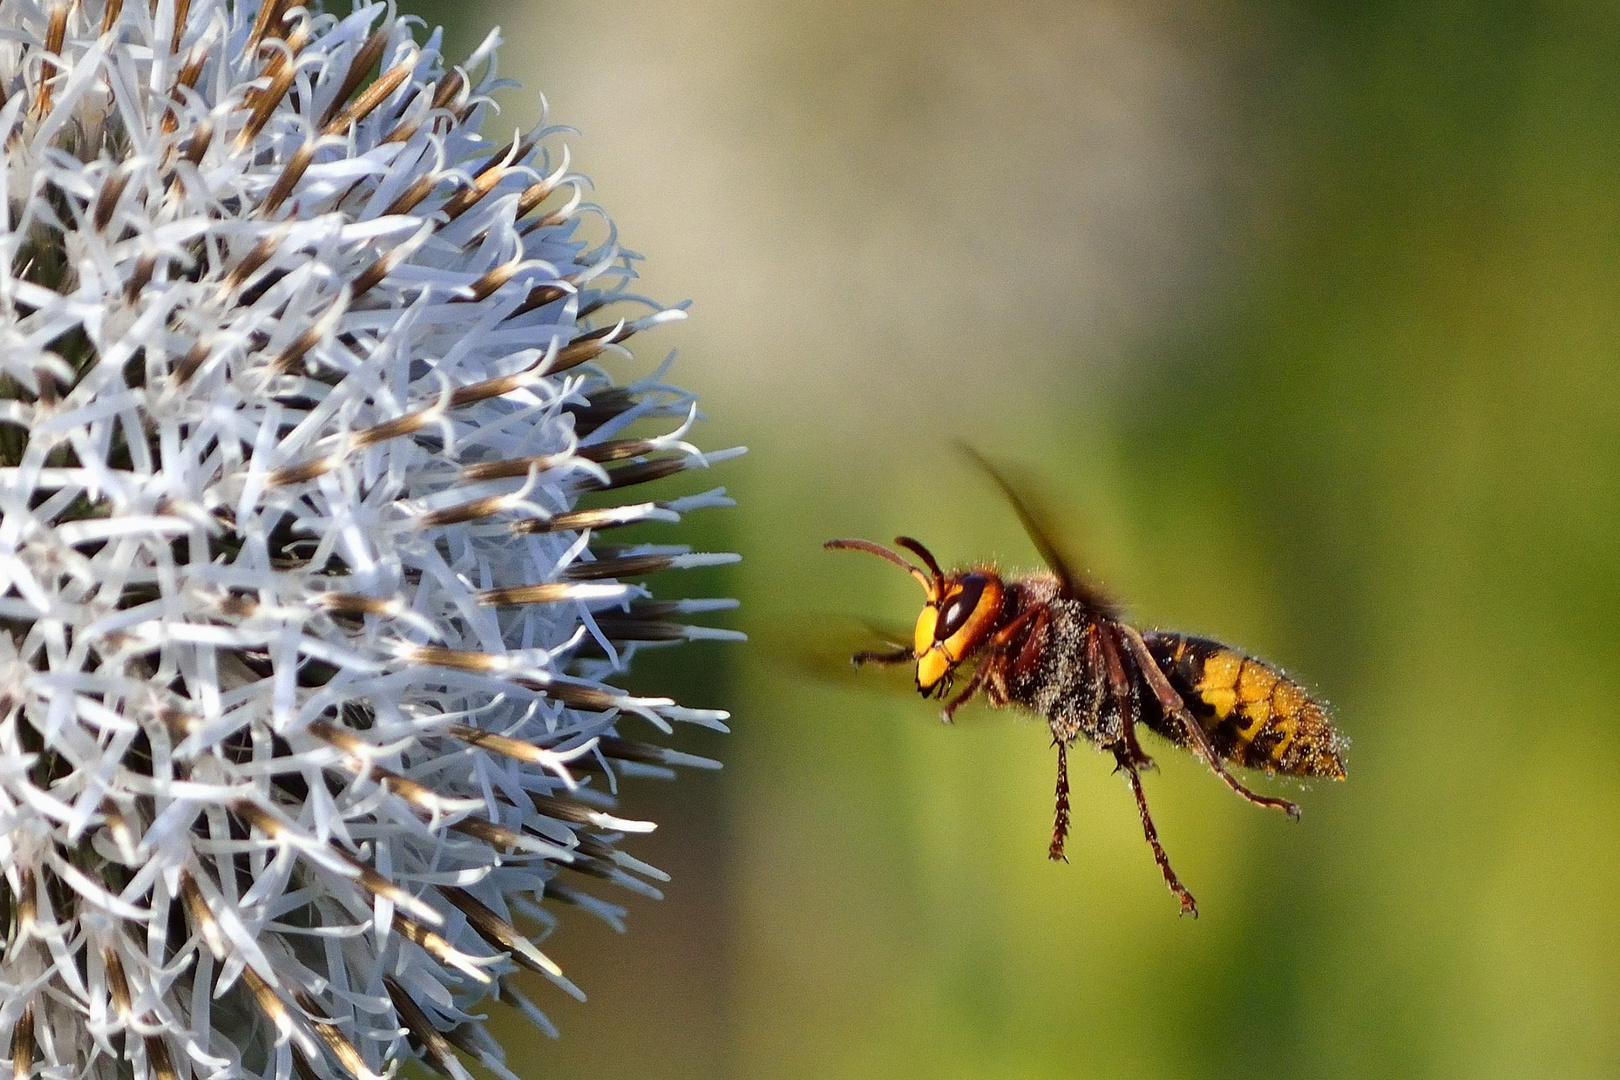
{"points": [[302, 711]]}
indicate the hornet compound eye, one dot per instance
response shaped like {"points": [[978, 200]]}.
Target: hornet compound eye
{"points": [[958, 607]]}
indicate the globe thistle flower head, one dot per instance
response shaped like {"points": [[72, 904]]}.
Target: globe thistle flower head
{"points": [[307, 720]]}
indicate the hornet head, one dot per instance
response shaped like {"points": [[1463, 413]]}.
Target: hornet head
{"points": [[960, 610]]}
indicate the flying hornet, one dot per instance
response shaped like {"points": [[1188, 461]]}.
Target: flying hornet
{"points": [[1056, 645]]}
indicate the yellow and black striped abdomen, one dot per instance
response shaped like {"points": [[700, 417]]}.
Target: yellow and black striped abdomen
{"points": [[1255, 715]]}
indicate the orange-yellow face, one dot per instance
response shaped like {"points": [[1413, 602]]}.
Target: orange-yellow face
{"points": [[961, 613]]}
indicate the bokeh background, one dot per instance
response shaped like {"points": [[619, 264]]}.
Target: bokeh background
{"points": [[1307, 319]]}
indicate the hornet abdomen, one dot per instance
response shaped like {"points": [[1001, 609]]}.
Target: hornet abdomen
{"points": [[1255, 715]]}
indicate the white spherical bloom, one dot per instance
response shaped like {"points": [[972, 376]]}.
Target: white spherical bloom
{"points": [[304, 633]]}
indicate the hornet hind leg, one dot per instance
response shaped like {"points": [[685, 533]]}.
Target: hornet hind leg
{"points": [[1188, 905]]}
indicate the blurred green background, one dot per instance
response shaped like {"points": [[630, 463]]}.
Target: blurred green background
{"points": [[1307, 317]]}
